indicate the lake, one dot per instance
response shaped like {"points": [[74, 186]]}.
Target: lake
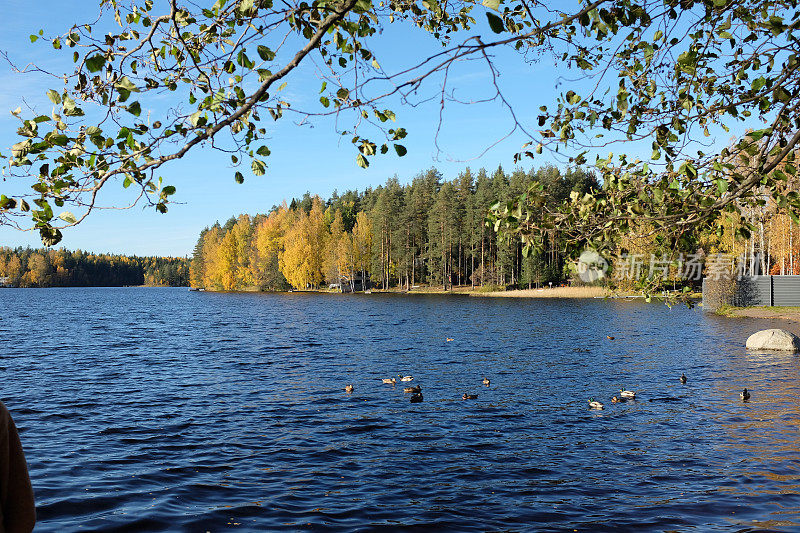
{"points": [[167, 410]]}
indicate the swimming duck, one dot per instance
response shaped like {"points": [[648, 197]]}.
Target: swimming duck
{"points": [[609, 337], [469, 396], [683, 379], [406, 378], [348, 388], [593, 404], [627, 394], [389, 381], [413, 389], [615, 399], [416, 398], [486, 381], [449, 339], [745, 395]]}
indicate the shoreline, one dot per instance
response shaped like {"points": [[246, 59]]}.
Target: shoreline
{"points": [[777, 312], [555, 292]]}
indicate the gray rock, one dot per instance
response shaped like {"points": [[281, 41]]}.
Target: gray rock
{"points": [[774, 339]]}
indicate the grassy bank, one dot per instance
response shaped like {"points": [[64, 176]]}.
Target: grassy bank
{"points": [[780, 312]]}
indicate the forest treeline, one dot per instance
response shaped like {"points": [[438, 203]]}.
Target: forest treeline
{"points": [[431, 231], [26, 267]]}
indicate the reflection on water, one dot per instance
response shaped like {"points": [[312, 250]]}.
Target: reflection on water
{"points": [[160, 409]]}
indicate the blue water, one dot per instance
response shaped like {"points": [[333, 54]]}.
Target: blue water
{"points": [[163, 409]]}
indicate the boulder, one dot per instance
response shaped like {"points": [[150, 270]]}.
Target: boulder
{"points": [[774, 339]]}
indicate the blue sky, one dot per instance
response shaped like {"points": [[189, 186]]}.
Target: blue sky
{"points": [[303, 158]]}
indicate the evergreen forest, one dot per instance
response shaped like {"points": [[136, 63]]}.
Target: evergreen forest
{"points": [[25, 267], [429, 232]]}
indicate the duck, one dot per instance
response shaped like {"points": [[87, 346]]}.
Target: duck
{"points": [[389, 381], [413, 389], [469, 396], [349, 388], [487, 381], [683, 379], [745, 395], [406, 378], [593, 404], [416, 398], [615, 399], [449, 339], [627, 394], [609, 337]]}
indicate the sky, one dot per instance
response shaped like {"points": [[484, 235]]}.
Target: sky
{"points": [[314, 159]]}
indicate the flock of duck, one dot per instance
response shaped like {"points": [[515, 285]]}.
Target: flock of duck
{"points": [[416, 390], [625, 395]]}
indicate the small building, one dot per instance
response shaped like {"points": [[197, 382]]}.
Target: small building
{"points": [[357, 284]]}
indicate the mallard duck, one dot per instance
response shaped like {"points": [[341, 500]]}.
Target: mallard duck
{"points": [[416, 398], [413, 389], [745, 395], [449, 339], [469, 396], [609, 337], [486, 381], [627, 394], [389, 381], [683, 379], [349, 388], [615, 399], [593, 404], [406, 378]]}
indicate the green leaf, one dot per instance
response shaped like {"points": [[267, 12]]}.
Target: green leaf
{"points": [[572, 98], [7, 203], [362, 161], [50, 236], [263, 151], [68, 217], [169, 190], [492, 4], [125, 84], [244, 7], [238, 178], [95, 63], [258, 167], [135, 109], [758, 134], [265, 53], [495, 22], [54, 96], [400, 149]]}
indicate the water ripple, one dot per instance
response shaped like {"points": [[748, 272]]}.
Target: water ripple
{"points": [[154, 413]]}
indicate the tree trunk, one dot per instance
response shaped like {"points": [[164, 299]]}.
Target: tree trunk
{"points": [[762, 256]]}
